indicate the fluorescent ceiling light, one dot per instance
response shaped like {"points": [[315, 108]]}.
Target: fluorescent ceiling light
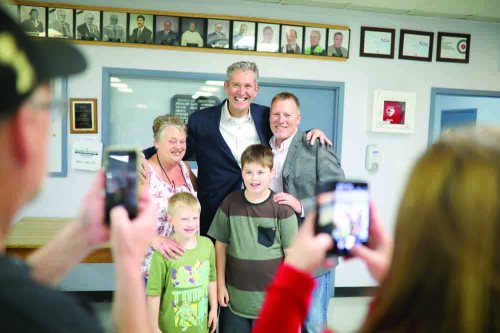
{"points": [[142, 106], [204, 93], [209, 89], [115, 79], [118, 85], [125, 90], [215, 83]]}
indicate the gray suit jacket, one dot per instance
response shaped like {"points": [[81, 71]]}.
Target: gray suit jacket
{"points": [[305, 166]]}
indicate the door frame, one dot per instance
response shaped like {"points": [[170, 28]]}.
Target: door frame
{"points": [[435, 92]]}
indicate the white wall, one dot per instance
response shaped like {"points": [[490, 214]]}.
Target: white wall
{"points": [[361, 76]]}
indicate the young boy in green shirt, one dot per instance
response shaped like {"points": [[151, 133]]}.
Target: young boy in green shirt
{"points": [[180, 290], [252, 234]]}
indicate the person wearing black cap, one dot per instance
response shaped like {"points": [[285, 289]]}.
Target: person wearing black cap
{"points": [[28, 302]]}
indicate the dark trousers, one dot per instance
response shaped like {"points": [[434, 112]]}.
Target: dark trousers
{"points": [[232, 323]]}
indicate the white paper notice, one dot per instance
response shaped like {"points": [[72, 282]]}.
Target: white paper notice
{"points": [[86, 155]]}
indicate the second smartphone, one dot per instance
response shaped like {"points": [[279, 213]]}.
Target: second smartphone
{"points": [[343, 211]]}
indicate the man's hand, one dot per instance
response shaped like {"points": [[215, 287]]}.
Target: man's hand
{"points": [[378, 252], [314, 134], [131, 238], [212, 320], [91, 216], [283, 198], [222, 295], [308, 251]]}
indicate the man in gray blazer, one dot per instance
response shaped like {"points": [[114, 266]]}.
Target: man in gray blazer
{"points": [[299, 166]]}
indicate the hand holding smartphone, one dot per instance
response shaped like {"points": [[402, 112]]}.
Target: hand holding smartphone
{"points": [[343, 211], [122, 187]]}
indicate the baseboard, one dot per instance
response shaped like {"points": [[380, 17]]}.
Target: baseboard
{"points": [[355, 291]]}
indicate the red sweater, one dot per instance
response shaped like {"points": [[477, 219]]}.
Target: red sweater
{"points": [[286, 303]]}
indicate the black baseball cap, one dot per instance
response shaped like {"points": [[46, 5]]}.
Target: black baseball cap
{"points": [[25, 62]]}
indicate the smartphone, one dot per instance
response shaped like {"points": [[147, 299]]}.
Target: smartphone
{"points": [[343, 211], [122, 186]]}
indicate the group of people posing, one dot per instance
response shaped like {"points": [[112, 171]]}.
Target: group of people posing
{"points": [[252, 195]]}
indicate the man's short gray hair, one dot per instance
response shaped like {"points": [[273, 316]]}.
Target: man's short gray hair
{"points": [[243, 66]]}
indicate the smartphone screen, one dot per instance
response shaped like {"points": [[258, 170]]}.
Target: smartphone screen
{"points": [[121, 181], [343, 211]]}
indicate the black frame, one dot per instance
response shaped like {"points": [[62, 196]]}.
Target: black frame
{"points": [[404, 32], [301, 42], [467, 38], [362, 52], [329, 31], [233, 34]]}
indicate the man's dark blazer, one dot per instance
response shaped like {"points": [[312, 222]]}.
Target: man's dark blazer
{"points": [[146, 36], [171, 38], [218, 171], [86, 34]]}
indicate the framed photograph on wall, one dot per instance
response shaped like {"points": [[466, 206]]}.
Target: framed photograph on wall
{"points": [[218, 33], [315, 41], [415, 45], [88, 24], [377, 42], [453, 47], [83, 115], [338, 43], [292, 39], [32, 20], [393, 111], [140, 27], [243, 35], [268, 37], [167, 30], [60, 23], [193, 32], [114, 27]]}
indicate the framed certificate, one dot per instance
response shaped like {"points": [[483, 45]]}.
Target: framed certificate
{"points": [[377, 42], [83, 115], [453, 47], [415, 45]]}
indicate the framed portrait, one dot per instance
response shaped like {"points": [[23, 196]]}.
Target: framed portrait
{"points": [[218, 32], [338, 43], [83, 115], [243, 35], [415, 45], [453, 47], [88, 24], [114, 27], [140, 28], [193, 32], [315, 41], [167, 30], [268, 36], [32, 20], [393, 111], [292, 39], [377, 42], [60, 23]]}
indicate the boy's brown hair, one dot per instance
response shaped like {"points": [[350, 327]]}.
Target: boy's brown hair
{"points": [[182, 199], [259, 154]]}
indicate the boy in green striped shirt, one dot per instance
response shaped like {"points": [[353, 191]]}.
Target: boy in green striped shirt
{"points": [[252, 233]]}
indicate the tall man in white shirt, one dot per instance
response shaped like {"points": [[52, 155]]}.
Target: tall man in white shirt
{"points": [[299, 166]]}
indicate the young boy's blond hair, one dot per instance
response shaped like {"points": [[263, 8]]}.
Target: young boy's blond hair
{"points": [[259, 154], [182, 199]]}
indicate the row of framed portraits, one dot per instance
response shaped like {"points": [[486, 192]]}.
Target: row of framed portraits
{"points": [[414, 45], [122, 27]]}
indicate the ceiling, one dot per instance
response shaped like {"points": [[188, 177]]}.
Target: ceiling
{"points": [[478, 10]]}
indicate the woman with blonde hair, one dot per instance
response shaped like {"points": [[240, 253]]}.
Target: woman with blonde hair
{"points": [[443, 273], [165, 175]]}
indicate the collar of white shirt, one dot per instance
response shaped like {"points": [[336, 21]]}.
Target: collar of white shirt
{"points": [[227, 118], [284, 145]]}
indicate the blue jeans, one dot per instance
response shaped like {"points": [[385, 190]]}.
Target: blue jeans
{"points": [[317, 316]]}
